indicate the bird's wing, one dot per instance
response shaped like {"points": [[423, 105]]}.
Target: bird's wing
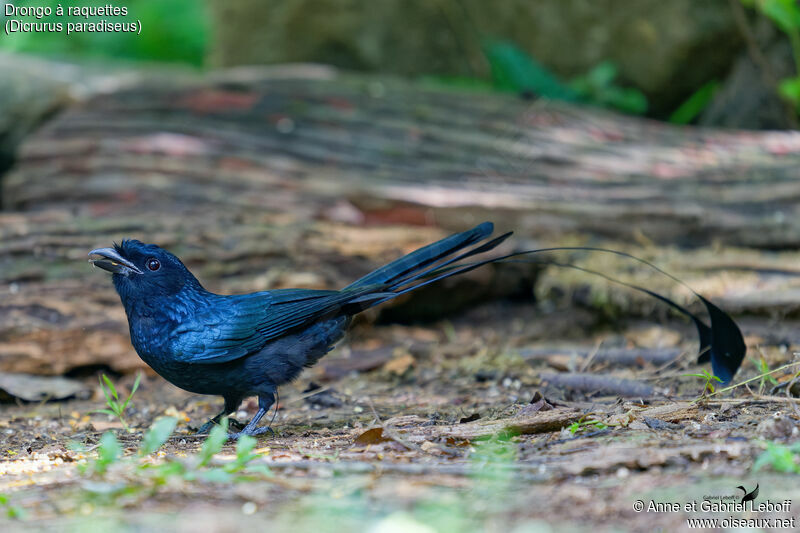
{"points": [[235, 326]]}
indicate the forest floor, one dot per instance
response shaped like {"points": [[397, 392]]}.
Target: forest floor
{"points": [[558, 416], [457, 425]]}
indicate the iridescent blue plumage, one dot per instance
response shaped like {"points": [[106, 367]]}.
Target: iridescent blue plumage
{"points": [[248, 345]]}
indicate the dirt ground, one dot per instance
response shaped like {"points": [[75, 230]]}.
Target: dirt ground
{"points": [[561, 415], [473, 437]]}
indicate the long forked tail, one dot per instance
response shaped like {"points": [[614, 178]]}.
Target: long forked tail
{"points": [[426, 256], [422, 267], [721, 342]]}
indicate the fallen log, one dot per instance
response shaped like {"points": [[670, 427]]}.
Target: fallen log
{"points": [[310, 177]]}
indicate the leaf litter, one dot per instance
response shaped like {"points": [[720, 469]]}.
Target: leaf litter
{"points": [[479, 429]]}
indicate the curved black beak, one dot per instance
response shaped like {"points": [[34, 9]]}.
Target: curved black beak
{"points": [[113, 262]]}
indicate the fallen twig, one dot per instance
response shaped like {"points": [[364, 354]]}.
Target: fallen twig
{"points": [[538, 422], [600, 384], [614, 356]]}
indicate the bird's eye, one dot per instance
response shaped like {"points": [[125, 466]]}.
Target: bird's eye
{"points": [[153, 264]]}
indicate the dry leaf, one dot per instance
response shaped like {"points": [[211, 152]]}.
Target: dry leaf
{"points": [[399, 365], [371, 436], [430, 447]]}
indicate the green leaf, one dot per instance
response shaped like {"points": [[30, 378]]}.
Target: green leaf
{"points": [[260, 469], [784, 13], [625, 99], [76, 446], [695, 104], [110, 387], [597, 86], [157, 435], [216, 475], [133, 390], [214, 443], [15, 512], [515, 70], [167, 470], [245, 445], [779, 457], [789, 88], [108, 452], [602, 74], [109, 400], [244, 449]]}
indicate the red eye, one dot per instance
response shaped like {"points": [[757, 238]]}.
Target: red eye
{"points": [[153, 264]]}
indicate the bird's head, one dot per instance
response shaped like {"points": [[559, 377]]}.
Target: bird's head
{"points": [[143, 271]]}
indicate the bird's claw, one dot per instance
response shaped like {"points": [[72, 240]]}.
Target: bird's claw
{"points": [[205, 429], [252, 433]]}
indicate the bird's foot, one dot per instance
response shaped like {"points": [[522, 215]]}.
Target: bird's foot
{"points": [[252, 432], [205, 429]]}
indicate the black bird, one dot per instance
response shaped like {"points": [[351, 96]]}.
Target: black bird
{"points": [[248, 345]]}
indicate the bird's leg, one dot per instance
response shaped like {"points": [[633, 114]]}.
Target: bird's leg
{"points": [[265, 401], [231, 405]]}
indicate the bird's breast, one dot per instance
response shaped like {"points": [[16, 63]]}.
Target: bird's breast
{"points": [[149, 336]]}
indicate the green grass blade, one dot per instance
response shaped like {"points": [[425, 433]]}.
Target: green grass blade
{"points": [[110, 387], [157, 435], [214, 443]]}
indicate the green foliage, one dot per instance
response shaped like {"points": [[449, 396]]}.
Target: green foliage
{"points": [[214, 443], [598, 87], [789, 88], [116, 407], [780, 457], [140, 475], [11, 510], [109, 451], [514, 70], [172, 31], [157, 435], [244, 454], [695, 104], [765, 372], [494, 477], [785, 14], [582, 424], [708, 379]]}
